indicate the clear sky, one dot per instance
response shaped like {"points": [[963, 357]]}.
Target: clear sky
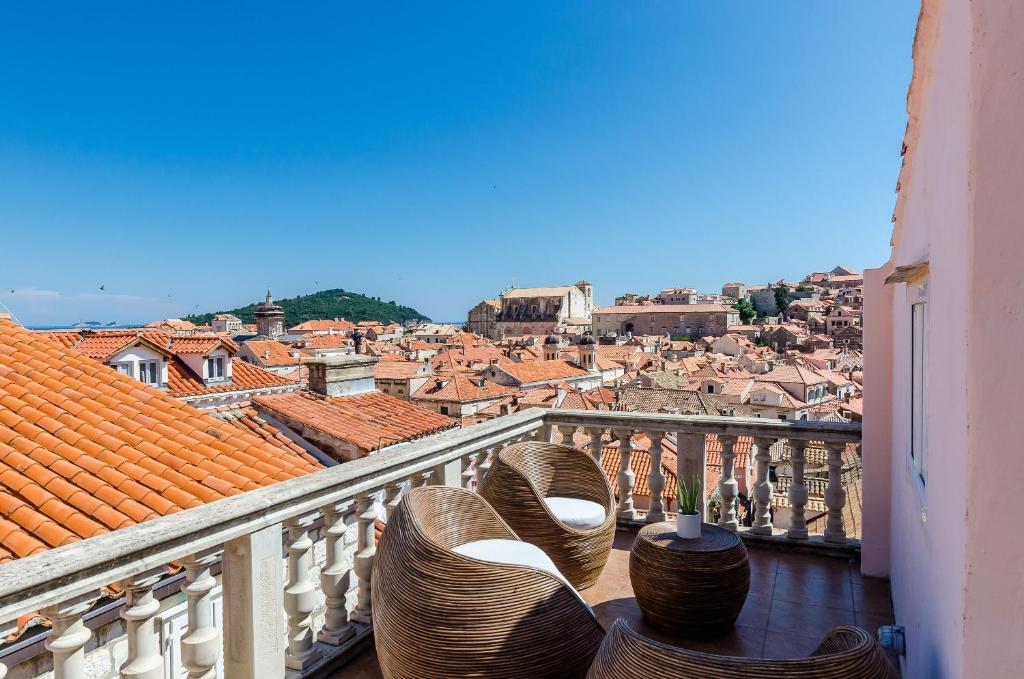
{"points": [[187, 155]]}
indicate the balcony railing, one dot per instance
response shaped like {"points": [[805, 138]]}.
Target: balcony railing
{"points": [[269, 599]]}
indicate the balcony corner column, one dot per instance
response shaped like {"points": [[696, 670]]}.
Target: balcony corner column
{"points": [[835, 496], [798, 492], [144, 660], [253, 622], [762, 491], [626, 476], [367, 550], [596, 443], [691, 465], [200, 647], [728, 487], [656, 480], [69, 636], [336, 577]]}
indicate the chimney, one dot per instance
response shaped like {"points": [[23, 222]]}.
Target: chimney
{"points": [[342, 375]]}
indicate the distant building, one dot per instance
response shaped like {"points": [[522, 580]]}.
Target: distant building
{"points": [[735, 290], [227, 323], [688, 320], [483, 318], [269, 318], [541, 311]]}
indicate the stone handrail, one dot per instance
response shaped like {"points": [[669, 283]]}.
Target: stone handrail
{"points": [[244, 534]]}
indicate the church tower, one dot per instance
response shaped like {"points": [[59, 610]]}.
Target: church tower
{"points": [[588, 353], [269, 318], [551, 348]]}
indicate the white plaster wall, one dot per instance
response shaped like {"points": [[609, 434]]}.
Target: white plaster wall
{"points": [[134, 355]]}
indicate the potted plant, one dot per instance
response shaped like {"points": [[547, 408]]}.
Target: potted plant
{"points": [[688, 519]]}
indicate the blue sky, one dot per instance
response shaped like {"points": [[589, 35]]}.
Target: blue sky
{"points": [[189, 155]]}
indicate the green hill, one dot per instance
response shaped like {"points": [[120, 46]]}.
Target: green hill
{"points": [[326, 304]]}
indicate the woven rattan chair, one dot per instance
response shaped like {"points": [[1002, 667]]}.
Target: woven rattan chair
{"points": [[845, 653], [523, 474], [439, 615]]}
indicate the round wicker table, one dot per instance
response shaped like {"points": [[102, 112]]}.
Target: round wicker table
{"points": [[692, 587]]}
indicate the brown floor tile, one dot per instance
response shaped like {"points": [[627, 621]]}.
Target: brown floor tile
{"points": [[755, 611], [824, 588], [804, 618], [740, 641], [785, 645], [872, 595]]}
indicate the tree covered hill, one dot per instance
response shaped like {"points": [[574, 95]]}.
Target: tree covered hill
{"points": [[326, 304]]}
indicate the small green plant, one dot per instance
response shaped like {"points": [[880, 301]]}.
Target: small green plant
{"points": [[688, 497]]}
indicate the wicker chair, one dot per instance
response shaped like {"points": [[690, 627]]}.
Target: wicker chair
{"points": [[845, 653], [523, 474], [438, 614]]}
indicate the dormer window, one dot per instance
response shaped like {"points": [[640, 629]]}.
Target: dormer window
{"points": [[215, 368], [125, 368]]}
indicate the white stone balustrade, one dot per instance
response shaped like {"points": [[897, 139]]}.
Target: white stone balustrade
{"points": [[268, 626]]}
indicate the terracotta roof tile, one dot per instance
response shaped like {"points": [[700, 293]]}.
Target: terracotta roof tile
{"points": [[542, 371], [369, 421], [85, 449]]}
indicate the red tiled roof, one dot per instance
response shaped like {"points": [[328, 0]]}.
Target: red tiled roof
{"points": [[85, 450], [458, 387], [103, 344], [172, 323], [541, 371], [396, 369], [368, 421], [279, 354], [322, 325], [183, 382], [201, 344], [326, 341]]}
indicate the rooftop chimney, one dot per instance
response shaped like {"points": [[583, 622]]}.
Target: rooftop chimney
{"points": [[342, 375]]}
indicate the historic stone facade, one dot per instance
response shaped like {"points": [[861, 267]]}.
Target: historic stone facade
{"points": [[688, 320]]}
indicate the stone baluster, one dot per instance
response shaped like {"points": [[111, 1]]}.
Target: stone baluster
{"points": [[336, 577], [200, 647], [691, 465], [596, 443], [69, 636], [424, 478], [656, 480], [626, 475], [798, 492], [144, 660], [366, 550], [469, 469], [728, 487], [762, 490], [299, 595], [567, 431], [835, 496], [483, 465]]}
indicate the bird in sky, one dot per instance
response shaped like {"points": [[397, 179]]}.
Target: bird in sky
{"points": [[102, 288]]}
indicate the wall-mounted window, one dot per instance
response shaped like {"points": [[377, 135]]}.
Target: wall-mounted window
{"points": [[444, 410], [149, 372], [215, 368], [124, 368], [919, 387]]}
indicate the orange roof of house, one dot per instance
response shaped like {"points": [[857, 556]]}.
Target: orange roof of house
{"points": [[105, 343], [368, 421], [397, 369], [85, 449], [201, 344], [326, 341], [183, 382], [321, 325], [458, 387], [541, 371], [173, 323], [279, 354]]}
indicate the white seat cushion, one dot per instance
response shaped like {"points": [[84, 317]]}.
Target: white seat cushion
{"points": [[510, 551], [576, 513]]}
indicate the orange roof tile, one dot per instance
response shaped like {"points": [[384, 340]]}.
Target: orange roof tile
{"points": [[369, 421], [201, 344], [457, 387], [272, 352], [542, 371], [85, 450], [244, 376]]}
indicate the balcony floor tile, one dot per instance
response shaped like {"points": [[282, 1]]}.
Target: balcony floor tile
{"points": [[794, 600]]}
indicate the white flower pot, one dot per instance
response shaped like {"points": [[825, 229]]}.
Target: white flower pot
{"points": [[688, 525]]}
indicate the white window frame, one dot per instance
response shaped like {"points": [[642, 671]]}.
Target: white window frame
{"points": [[210, 363], [152, 367], [125, 368]]}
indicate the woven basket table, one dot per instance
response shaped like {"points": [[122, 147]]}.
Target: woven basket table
{"points": [[691, 588]]}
